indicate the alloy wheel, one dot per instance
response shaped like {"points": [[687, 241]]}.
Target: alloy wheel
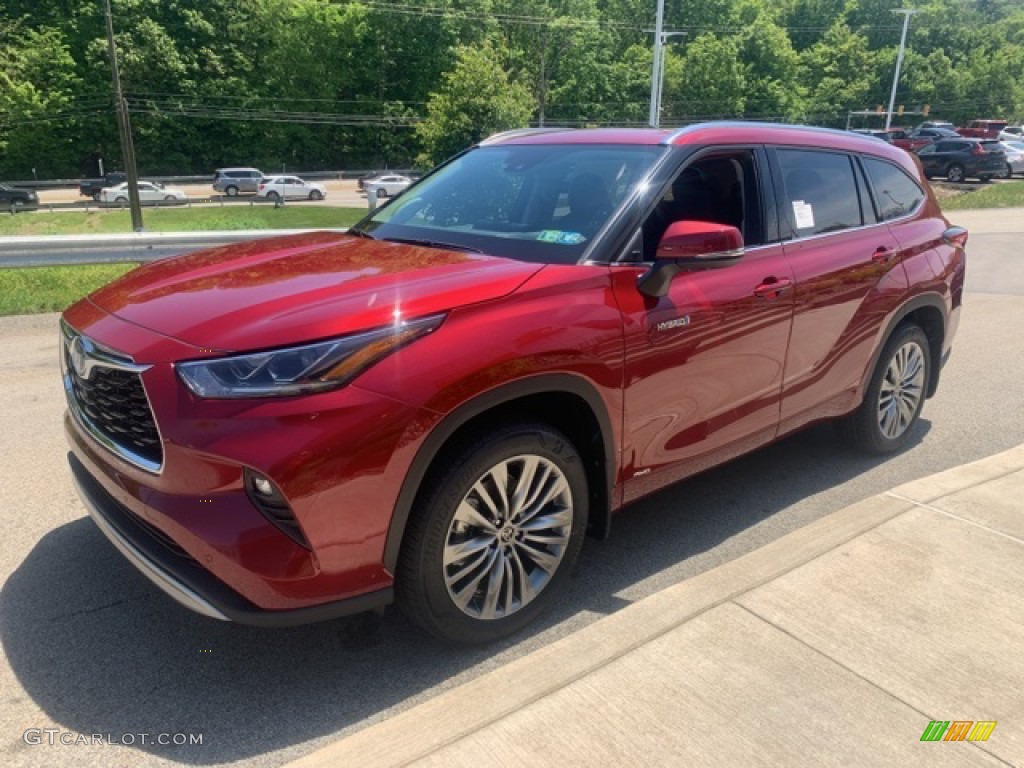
{"points": [[508, 536], [901, 390]]}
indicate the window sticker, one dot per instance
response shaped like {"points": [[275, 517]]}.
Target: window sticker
{"points": [[561, 238], [804, 213]]}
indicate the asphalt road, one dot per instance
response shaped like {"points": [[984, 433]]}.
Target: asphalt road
{"points": [[91, 647]]}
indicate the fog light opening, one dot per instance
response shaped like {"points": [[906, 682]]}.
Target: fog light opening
{"points": [[269, 500]]}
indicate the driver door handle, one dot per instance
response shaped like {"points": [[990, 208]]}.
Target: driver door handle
{"points": [[773, 287], [882, 255]]}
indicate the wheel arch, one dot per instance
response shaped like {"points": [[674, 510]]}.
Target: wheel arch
{"points": [[567, 402]]}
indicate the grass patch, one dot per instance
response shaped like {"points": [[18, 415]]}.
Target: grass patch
{"points": [[1006, 195], [197, 219], [30, 290]]}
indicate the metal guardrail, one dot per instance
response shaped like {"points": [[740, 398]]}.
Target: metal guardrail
{"points": [[90, 204]]}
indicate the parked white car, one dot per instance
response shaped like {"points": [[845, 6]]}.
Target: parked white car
{"points": [[386, 185], [1014, 157], [149, 192], [1012, 133], [281, 187]]}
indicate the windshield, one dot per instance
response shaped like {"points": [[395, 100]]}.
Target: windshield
{"points": [[540, 203]]}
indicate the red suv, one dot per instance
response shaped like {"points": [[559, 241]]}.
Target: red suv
{"points": [[435, 407]]}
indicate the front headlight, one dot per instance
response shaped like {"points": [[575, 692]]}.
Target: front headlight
{"points": [[300, 370]]}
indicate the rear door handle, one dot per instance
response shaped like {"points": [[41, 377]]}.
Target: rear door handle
{"points": [[883, 255], [772, 287]]}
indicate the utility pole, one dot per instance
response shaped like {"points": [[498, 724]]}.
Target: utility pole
{"points": [[907, 13], [653, 117], [124, 127]]}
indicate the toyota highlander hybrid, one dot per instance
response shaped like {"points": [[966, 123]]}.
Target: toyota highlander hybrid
{"points": [[435, 407]]}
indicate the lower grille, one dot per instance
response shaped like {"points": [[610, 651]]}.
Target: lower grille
{"points": [[105, 393]]}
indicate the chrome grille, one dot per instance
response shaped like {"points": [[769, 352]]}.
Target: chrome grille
{"points": [[105, 393]]}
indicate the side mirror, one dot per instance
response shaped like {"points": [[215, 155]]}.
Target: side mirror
{"points": [[688, 246]]}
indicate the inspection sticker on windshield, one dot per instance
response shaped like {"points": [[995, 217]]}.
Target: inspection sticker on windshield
{"points": [[804, 213], [562, 238]]}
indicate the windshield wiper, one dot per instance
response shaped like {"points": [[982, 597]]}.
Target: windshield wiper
{"points": [[433, 244], [359, 233]]}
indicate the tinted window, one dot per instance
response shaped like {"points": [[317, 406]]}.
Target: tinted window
{"points": [[720, 188], [946, 146], [821, 191], [928, 150], [896, 194]]}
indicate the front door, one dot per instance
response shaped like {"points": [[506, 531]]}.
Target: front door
{"points": [[704, 364]]}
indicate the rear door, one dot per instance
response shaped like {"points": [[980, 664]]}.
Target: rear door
{"points": [[845, 265]]}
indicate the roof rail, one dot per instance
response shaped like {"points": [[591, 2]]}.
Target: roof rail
{"points": [[515, 133], [769, 126]]}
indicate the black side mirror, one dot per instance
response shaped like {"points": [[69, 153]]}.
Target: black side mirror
{"points": [[689, 246]]}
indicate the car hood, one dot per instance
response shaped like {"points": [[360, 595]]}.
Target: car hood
{"points": [[281, 291]]}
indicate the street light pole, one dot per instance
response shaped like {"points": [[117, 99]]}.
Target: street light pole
{"points": [[907, 13], [653, 118], [661, 75], [124, 126]]}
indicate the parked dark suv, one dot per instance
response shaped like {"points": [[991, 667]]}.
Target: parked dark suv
{"points": [[437, 406], [958, 159]]}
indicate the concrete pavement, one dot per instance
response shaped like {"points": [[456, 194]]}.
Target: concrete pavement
{"points": [[834, 645]]}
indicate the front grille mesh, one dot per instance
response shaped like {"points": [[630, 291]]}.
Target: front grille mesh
{"points": [[114, 403]]}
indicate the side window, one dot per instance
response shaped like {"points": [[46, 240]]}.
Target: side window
{"points": [[896, 194], [821, 191], [721, 188]]}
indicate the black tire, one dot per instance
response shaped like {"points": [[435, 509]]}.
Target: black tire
{"points": [[96, 196], [862, 429], [1007, 172], [315, 195], [421, 590], [955, 173], [273, 195], [985, 178], [121, 199], [169, 198], [231, 191], [382, 192]]}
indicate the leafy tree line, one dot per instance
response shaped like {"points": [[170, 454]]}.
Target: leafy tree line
{"points": [[308, 84]]}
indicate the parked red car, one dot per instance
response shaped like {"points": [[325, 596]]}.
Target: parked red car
{"points": [[983, 129], [435, 407]]}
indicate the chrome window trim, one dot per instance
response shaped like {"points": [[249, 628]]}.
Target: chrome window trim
{"points": [[104, 357]]}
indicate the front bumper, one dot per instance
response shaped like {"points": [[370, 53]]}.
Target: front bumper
{"points": [[184, 579]]}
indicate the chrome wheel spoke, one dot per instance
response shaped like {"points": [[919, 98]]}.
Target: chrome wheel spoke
{"points": [[538, 555], [471, 517], [526, 475], [459, 551], [507, 537], [463, 595], [495, 581]]}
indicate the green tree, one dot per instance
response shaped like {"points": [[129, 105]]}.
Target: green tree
{"points": [[475, 100], [37, 98], [838, 73], [711, 83]]}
